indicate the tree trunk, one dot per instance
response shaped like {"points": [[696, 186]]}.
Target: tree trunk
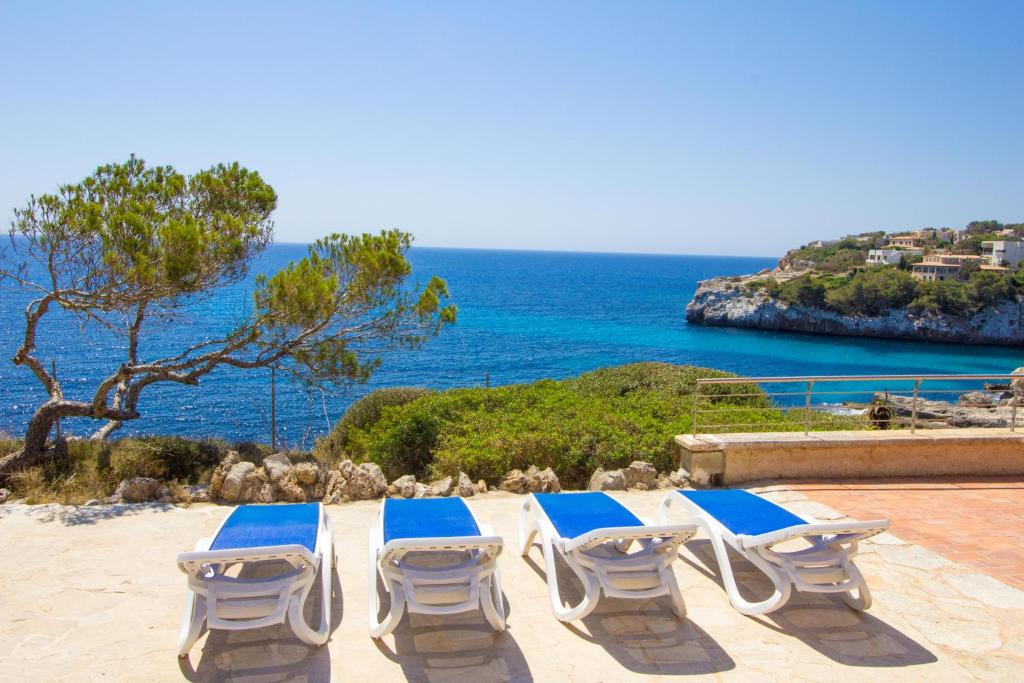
{"points": [[34, 451], [106, 430]]}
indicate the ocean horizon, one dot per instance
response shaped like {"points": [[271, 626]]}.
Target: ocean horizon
{"points": [[523, 316]]}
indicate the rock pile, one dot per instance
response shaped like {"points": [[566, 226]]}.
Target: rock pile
{"points": [[640, 475]]}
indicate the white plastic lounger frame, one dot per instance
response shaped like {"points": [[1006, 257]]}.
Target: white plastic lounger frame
{"points": [[233, 604], [450, 589], [600, 559], [826, 566]]}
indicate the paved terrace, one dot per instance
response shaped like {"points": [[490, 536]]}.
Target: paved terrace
{"points": [[93, 594]]}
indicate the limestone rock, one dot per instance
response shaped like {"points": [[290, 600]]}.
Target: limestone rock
{"points": [[166, 500], [977, 399], [514, 481], [277, 465], [221, 472], [364, 481], [199, 493], [440, 488], [421, 491], [464, 488], [403, 487], [138, 490], [481, 486], [92, 502], [674, 480], [641, 475], [731, 303], [611, 480], [542, 481], [4, 495], [245, 483], [306, 473]]}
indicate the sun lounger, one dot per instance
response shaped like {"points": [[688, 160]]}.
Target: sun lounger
{"points": [[592, 532], [753, 526], [293, 538], [434, 558]]}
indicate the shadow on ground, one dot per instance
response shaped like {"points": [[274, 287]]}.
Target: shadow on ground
{"points": [[77, 515], [267, 654], [821, 621], [461, 647], [644, 636]]}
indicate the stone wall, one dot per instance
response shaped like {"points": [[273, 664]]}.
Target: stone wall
{"points": [[733, 458]]}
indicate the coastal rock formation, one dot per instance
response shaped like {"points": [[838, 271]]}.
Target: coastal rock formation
{"points": [[610, 480], [725, 302], [941, 413], [4, 495]]}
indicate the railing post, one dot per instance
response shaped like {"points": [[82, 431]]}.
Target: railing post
{"points": [[913, 407], [807, 409], [696, 392], [1013, 410]]}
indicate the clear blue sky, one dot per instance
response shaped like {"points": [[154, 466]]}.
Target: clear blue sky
{"points": [[645, 127]]}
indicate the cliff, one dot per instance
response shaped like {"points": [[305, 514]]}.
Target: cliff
{"points": [[725, 302]]}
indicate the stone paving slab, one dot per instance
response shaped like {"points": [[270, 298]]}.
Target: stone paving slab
{"points": [[89, 594]]}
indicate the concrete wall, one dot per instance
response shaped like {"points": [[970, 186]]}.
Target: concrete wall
{"points": [[734, 458]]}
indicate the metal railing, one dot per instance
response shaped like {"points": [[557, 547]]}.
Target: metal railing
{"points": [[886, 409]]}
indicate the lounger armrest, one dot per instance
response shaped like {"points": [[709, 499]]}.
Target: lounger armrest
{"points": [[189, 560], [679, 533], [405, 545], [859, 530]]}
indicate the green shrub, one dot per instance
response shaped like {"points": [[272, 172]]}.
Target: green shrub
{"points": [[605, 418], [360, 415]]}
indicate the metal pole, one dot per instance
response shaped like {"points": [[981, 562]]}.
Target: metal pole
{"points": [[53, 369], [1013, 414], [807, 409], [273, 409], [693, 422], [913, 407]]}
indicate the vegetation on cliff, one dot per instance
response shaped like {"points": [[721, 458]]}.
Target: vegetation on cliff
{"points": [[879, 289]]}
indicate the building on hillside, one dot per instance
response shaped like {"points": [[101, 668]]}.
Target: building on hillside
{"points": [[942, 266], [884, 257], [904, 242], [936, 234], [1001, 252]]}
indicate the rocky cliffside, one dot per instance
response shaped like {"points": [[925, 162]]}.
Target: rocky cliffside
{"points": [[726, 302]]}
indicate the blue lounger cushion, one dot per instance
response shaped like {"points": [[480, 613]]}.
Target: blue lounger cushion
{"points": [[262, 526], [742, 512], [427, 518], [574, 514]]}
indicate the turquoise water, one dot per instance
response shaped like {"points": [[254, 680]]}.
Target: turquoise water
{"points": [[522, 316]]}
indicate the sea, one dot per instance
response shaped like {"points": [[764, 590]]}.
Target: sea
{"points": [[523, 316]]}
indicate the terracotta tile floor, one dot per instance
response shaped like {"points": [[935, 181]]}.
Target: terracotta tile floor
{"points": [[979, 522]]}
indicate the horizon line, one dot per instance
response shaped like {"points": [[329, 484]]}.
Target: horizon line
{"points": [[570, 251]]}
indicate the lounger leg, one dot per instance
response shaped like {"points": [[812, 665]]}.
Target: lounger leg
{"points": [[491, 601], [379, 629], [862, 599], [678, 604], [529, 526], [298, 602], [191, 622], [782, 585]]}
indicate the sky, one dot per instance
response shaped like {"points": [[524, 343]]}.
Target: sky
{"points": [[657, 127]]}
